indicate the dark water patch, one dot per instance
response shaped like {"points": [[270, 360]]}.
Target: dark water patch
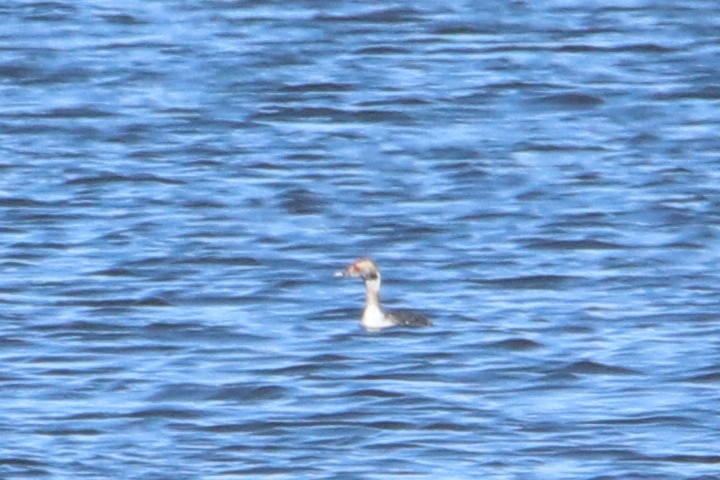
{"points": [[328, 358], [389, 15], [588, 177], [557, 147], [588, 220], [338, 313], [154, 261], [49, 11], [391, 425], [306, 157], [124, 19], [150, 301], [21, 259], [265, 167], [91, 112], [319, 87], [710, 92], [114, 272], [255, 427], [22, 467], [329, 114], [38, 76], [533, 282], [223, 299], [408, 231], [204, 203], [522, 85], [405, 101], [688, 458], [383, 115], [212, 154], [644, 138], [350, 417], [60, 359], [141, 44], [204, 163], [578, 101], [280, 113], [406, 375], [104, 312], [299, 369], [668, 420], [581, 48], [540, 426], [462, 159], [190, 332], [386, 447], [489, 216], [182, 392], [684, 246], [587, 244], [70, 432], [301, 201], [645, 48], [41, 246], [588, 367], [11, 230], [459, 29], [373, 393], [90, 416], [516, 344], [18, 202], [713, 377], [273, 471], [79, 373], [597, 452], [633, 47], [18, 71], [449, 427], [173, 413], [673, 317], [235, 261], [87, 326], [47, 217], [533, 194], [383, 50], [110, 348], [9, 342], [251, 393], [84, 291], [109, 178], [603, 452]]}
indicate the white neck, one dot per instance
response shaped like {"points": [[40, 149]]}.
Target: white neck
{"points": [[373, 317]]}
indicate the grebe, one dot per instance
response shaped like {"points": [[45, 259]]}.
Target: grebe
{"points": [[373, 317]]}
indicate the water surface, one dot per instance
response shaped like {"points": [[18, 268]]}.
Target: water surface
{"points": [[179, 180]]}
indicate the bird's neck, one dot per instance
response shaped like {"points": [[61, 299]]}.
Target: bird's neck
{"points": [[372, 292], [373, 317]]}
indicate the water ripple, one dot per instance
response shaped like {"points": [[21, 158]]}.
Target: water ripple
{"points": [[180, 180]]}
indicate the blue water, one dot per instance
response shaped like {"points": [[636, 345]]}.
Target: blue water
{"points": [[180, 179]]}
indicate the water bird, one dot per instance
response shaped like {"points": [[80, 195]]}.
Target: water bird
{"points": [[374, 318]]}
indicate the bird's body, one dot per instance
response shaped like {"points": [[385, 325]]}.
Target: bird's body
{"points": [[374, 317]]}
